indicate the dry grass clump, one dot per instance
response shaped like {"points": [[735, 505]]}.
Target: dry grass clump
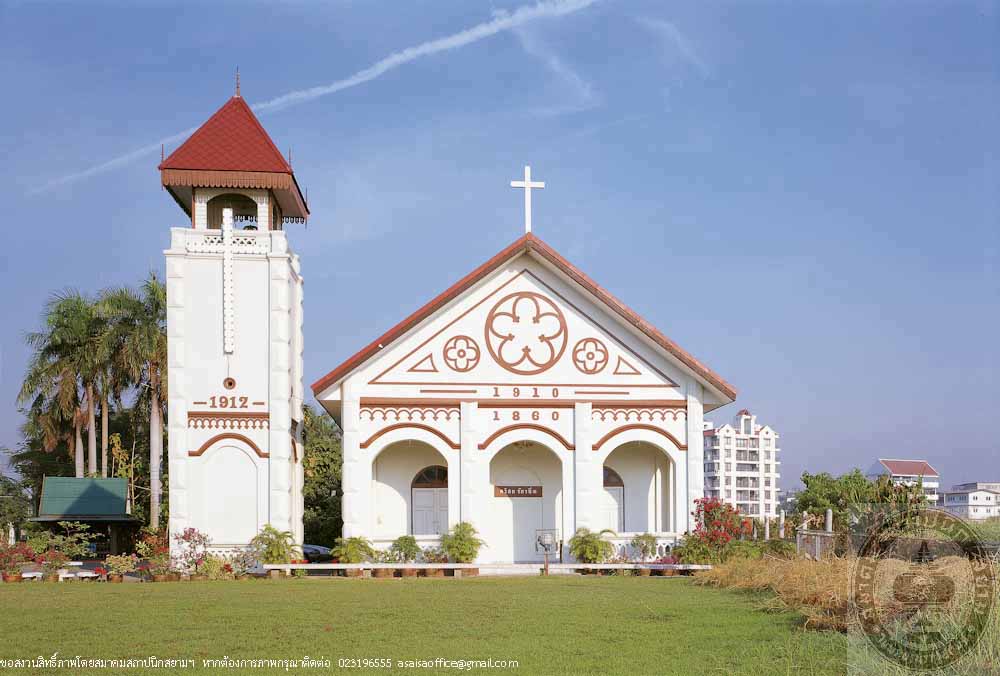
{"points": [[820, 590]]}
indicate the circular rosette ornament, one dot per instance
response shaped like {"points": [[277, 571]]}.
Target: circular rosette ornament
{"points": [[526, 333], [590, 356], [461, 353]]}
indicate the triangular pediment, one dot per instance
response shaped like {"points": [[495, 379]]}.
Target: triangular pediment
{"points": [[525, 324], [523, 329]]}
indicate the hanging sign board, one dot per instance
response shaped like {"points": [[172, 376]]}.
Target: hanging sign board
{"points": [[517, 491]]}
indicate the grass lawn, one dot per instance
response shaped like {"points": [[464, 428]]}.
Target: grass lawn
{"points": [[555, 625]]}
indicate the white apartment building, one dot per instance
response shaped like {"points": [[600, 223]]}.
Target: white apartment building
{"points": [[742, 466], [908, 472], [975, 501]]}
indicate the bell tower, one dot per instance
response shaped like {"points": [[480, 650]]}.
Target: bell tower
{"points": [[234, 327]]}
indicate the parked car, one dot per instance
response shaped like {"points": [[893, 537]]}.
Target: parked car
{"points": [[317, 553]]}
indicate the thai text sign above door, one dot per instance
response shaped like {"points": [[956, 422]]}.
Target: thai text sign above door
{"points": [[517, 491]]}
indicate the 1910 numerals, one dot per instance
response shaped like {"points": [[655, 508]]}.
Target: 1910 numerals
{"points": [[528, 392]]}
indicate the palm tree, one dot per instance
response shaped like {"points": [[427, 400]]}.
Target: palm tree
{"points": [[63, 368], [137, 327]]}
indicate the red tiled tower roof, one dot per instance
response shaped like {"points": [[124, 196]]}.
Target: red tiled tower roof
{"points": [[232, 150], [231, 140]]}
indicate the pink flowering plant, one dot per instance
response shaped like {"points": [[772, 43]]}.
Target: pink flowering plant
{"points": [[192, 550], [718, 525]]}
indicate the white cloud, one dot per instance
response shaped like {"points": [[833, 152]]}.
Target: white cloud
{"points": [[501, 21], [673, 36], [581, 91]]}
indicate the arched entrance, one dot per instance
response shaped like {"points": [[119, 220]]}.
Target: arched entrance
{"points": [[638, 487], [429, 502], [403, 473], [526, 480]]}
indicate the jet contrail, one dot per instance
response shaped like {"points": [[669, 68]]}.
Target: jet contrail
{"points": [[502, 21]]}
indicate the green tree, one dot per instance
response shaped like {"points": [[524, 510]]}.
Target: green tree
{"points": [[845, 493], [137, 323], [59, 383], [15, 504], [322, 464]]}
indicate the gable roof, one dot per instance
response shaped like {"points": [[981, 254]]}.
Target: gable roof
{"points": [[531, 244], [908, 467], [79, 498], [231, 140]]}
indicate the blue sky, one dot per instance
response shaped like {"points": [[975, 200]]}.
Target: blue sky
{"points": [[803, 195]]}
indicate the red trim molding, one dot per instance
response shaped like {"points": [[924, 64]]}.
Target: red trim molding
{"points": [[426, 428], [640, 426], [526, 426], [227, 435]]}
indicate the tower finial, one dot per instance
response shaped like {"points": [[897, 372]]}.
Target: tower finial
{"points": [[161, 152], [237, 80]]}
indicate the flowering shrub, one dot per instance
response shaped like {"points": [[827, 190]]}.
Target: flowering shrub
{"points": [[12, 556], [154, 547], [718, 525], [122, 564], [101, 570], [51, 561], [216, 568], [193, 546], [241, 562]]}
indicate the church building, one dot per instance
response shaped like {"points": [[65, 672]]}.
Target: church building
{"points": [[525, 399]]}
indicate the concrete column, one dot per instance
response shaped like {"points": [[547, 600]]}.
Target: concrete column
{"points": [[589, 473], [474, 479], [695, 452], [177, 405], [279, 386], [356, 504]]}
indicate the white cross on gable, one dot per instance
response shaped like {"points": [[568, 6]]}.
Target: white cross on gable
{"points": [[527, 184]]}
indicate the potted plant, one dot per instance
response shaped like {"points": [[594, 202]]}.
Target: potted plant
{"points": [[669, 559], [383, 557], [242, 562], [154, 548], [434, 555], [274, 546], [405, 549], [11, 559], [586, 546], [101, 572], [353, 550], [121, 565], [51, 561], [462, 545], [644, 548], [192, 551]]}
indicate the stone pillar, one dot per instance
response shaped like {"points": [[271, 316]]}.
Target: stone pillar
{"points": [[177, 443], [695, 452], [356, 504], [474, 480], [829, 521], [280, 356], [767, 528], [589, 472], [781, 525]]}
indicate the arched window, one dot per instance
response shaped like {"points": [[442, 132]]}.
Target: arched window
{"points": [[434, 476], [611, 478], [244, 211]]}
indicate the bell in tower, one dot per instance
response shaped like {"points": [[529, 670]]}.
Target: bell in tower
{"points": [[234, 326]]}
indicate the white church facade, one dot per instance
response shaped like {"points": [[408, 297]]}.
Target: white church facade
{"points": [[524, 398]]}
